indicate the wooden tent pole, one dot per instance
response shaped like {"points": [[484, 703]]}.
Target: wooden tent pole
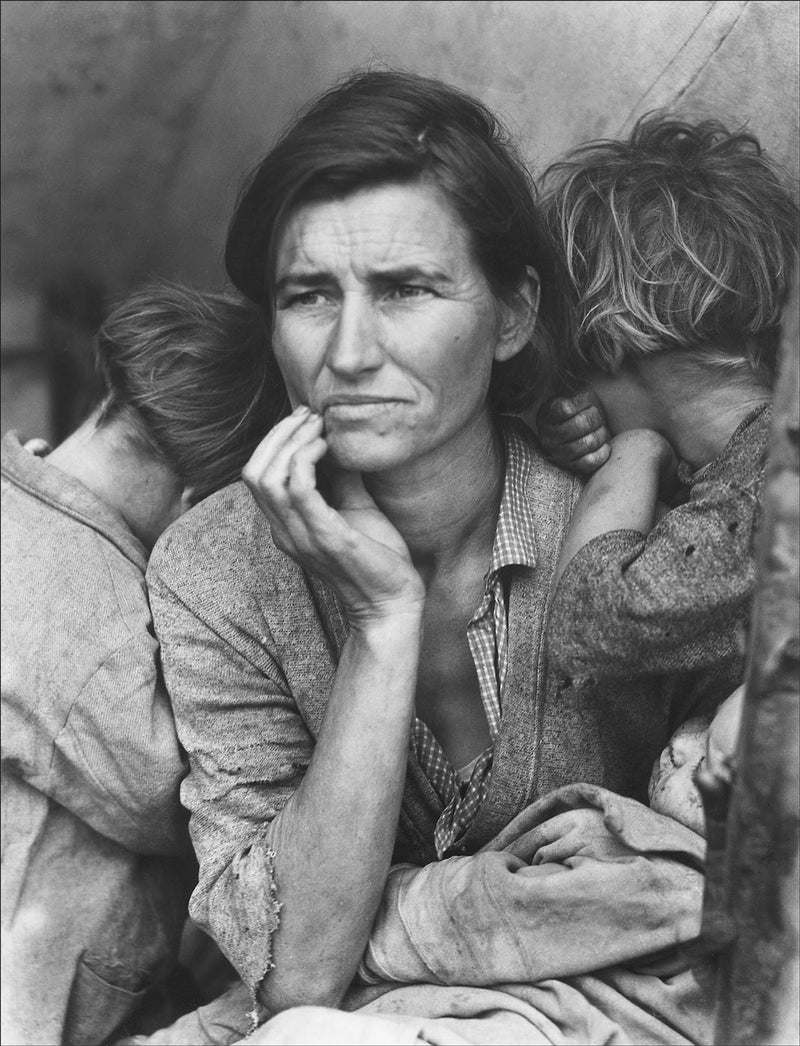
{"points": [[753, 893]]}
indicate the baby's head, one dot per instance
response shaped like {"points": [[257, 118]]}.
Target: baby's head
{"points": [[672, 789], [703, 741], [683, 237]]}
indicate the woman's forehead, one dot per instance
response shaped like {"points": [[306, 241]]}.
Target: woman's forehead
{"points": [[385, 226]]}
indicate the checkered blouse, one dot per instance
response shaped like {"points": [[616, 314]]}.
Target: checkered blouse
{"points": [[487, 633]]}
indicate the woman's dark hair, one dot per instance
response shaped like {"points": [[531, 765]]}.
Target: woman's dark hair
{"points": [[189, 377], [682, 236], [382, 127]]}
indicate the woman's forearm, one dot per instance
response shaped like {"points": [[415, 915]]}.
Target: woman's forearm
{"points": [[333, 841]]}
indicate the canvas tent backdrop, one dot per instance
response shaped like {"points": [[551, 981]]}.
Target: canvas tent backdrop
{"points": [[127, 126]]}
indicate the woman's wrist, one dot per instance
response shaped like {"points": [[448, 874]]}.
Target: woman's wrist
{"points": [[392, 623], [401, 606]]}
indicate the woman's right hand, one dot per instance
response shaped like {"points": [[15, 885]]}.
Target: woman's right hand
{"points": [[350, 544], [333, 840]]}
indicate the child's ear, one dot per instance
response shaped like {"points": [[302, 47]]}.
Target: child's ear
{"points": [[519, 317]]}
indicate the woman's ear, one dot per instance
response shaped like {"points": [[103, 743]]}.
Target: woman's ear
{"points": [[187, 499], [519, 317]]}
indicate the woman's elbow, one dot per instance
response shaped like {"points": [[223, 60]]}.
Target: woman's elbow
{"points": [[284, 990], [157, 830]]}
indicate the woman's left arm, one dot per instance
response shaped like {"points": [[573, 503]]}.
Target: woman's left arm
{"points": [[569, 894]]}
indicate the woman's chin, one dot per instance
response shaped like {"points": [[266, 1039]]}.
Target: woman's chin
{"points": [[364, 452]]}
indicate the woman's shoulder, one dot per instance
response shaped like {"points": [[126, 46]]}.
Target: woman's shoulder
{"points": [[218, 565], [548, 487], [224, 539]]}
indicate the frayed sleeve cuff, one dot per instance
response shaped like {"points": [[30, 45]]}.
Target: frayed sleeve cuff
{"points": [[241, 911]]}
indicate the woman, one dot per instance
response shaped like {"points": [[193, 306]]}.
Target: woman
{"points": [[354, 646]]}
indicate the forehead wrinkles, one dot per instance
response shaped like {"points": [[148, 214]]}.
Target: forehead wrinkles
{"points": [[366, 233]]}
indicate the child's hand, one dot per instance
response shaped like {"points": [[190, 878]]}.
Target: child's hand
{"points": [[573, 432]]}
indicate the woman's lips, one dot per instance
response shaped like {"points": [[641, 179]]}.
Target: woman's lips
{"points": [[358, 409]]}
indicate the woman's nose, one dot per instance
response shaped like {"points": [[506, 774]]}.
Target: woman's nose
{"points": [[354, 344]]}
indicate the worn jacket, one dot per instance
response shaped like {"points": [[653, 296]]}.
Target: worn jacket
{"points": [[250, 645], [95, 852]]}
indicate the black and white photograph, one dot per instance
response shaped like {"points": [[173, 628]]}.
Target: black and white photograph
{"points": [[400, 523]]}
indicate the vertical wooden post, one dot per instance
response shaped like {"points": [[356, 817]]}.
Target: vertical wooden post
{"points": [[758, 885]]}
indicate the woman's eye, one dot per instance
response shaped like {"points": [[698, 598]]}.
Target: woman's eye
{"points": [[410, 290], [302, 300]]}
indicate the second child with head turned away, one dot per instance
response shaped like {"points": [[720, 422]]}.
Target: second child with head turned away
{"points": [[97, 864], [681, 244]]}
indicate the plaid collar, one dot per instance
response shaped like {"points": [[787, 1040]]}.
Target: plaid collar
{"points": [[514, 542]]}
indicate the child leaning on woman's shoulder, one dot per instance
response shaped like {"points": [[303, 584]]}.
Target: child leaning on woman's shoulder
{"points": [[681, 243]]}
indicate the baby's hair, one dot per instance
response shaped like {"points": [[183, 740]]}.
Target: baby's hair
{"points": [[683, 236], [187, 374]]}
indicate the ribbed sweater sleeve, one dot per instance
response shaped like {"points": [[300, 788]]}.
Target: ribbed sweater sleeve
{"points": [[247, 743]]}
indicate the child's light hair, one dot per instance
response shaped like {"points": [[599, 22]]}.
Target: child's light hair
{"points": [[188, 374], [683, 236]]}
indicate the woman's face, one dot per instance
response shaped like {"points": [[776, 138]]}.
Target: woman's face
{"points": [[385, 324]]}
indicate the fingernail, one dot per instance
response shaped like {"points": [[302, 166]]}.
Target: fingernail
{"points": [[301, 410]]}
